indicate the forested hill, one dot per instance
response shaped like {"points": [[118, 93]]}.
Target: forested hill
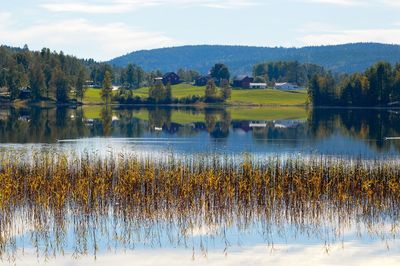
{"points": [[347, 58]]}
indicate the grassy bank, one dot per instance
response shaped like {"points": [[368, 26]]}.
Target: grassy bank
{"points": [[239, 96]]}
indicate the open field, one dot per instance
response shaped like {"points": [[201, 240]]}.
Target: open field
{"points": [[92, 96], [267, 97], [178, 91], [239, 96]]}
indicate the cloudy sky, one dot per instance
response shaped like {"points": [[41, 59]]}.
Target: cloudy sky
{"points": [[104, 29]]}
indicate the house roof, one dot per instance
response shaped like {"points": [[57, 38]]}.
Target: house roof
{"points": [[170, 73], [241, 77]]}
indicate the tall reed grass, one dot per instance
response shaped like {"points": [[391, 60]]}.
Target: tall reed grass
{"points": [[47, 193]]}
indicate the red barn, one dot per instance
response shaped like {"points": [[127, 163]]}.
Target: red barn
{"points": [[242, 82]]}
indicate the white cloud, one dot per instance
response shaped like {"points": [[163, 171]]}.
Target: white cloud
{"points": [[336, 2], [347, 253], [349, 36], [375, 3], [122, 6], [82, 38], [393, 3]]}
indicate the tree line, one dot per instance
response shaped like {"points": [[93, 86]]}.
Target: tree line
{"points": [[48, 75], [379, 85], [291, 71]]}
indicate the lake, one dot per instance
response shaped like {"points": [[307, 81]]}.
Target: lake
{"points": [[295, 231], [263, 130]]}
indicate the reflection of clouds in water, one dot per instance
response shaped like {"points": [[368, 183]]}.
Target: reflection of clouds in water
{"points": [[353, 253]]}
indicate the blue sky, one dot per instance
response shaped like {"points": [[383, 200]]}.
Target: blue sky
{"points": [[103, 29]]}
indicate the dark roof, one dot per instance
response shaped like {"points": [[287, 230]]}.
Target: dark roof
{"points": [[241, 77], [170, 73]]}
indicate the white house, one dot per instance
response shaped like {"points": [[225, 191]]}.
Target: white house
{"points": [[258, 85], [287, 86]]}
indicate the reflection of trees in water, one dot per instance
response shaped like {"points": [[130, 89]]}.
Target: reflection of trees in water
{"points": [[370, 125], [128, 125], [93, 204], [47, 125], [272, 134], [217, 122], [42, 125], [159, 117], [106, 120]]}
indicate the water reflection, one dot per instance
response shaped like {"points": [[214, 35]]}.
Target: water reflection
{"points": [[353, 132]]}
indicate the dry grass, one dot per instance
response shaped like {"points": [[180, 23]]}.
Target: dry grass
{"points": [[138, 193]]}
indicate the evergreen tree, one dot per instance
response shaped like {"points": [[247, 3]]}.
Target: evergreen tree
{"points": [[132, 77], [60, 83], [13, 82], [107, 88], [219, 72], [36, 81], [79, 90], [187, 75]]}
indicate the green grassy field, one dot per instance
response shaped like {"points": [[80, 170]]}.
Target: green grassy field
{"points": [[267, 97], [92, 96], [178, 91], [239, 96]]}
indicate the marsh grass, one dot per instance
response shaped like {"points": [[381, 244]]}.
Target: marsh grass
{"points": [[128, 198]]}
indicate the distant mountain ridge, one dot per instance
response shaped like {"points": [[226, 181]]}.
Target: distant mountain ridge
{"points": [[346, 58]]}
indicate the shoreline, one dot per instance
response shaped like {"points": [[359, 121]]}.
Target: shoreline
{"points": [[48, 104]]}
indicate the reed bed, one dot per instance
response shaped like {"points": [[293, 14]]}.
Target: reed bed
{"points": [[48, 194]]}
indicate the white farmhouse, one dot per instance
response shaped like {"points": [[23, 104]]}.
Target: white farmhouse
{"points": [[258, 85], [287, 86]]}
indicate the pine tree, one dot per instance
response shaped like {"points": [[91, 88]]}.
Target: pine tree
{"points": [[60, 83], [36, 81], [13, 82], [79, 85], [107, 88]]}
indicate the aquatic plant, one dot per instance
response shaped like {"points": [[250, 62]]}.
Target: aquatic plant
{"points": [[49, 193]]}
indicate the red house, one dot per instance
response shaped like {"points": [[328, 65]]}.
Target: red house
{"points": [[171, 78], [242, 82]]}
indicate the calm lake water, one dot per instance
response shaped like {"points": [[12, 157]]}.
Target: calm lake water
{"points": [[330, 237], [276, 131]]}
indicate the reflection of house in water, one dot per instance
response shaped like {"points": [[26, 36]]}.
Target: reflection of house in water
{"points": [[275, 124], [4, 114], [253, 124], [24, 118], [171, 129], [243, 125], [88, 122], [247, 126], [287, 123]]}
